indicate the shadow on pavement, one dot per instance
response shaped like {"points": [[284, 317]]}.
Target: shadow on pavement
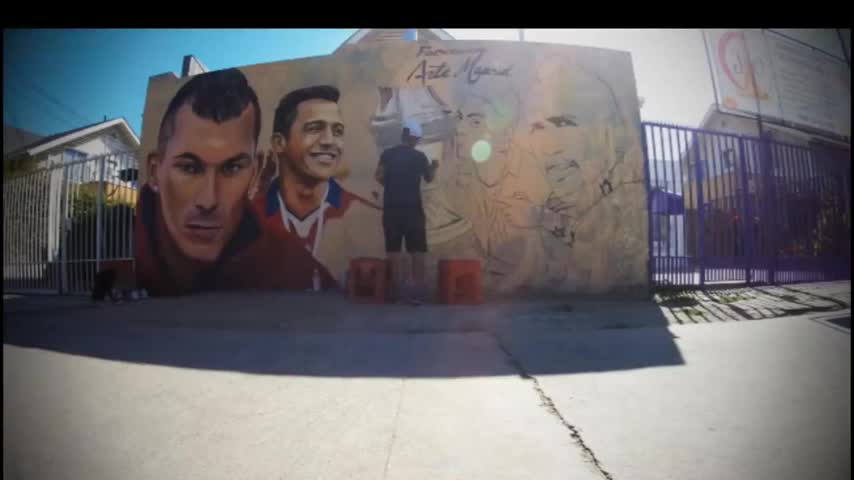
{"points": [[325, 335]]}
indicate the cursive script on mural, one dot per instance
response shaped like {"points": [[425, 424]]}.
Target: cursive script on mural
{"points": [[472, 68]]}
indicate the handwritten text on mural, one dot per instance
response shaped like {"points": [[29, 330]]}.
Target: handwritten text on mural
{"points": [[471, 69]]}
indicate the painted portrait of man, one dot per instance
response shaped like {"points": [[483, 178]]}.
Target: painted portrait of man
{"points": [[195, 229], [305, 200]]}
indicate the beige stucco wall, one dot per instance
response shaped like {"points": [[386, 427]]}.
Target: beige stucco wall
{"points": [[559, 203]]}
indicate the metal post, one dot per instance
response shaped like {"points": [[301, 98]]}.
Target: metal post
{"points": [[99, 216], [747, 220], [63, 232], [768, 208], [646, 160], [701, 226]]}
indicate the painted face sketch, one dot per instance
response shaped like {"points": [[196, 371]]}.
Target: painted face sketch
{"points": [[484, 136], [572, 137]]}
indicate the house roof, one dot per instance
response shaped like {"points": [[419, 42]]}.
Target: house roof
{"points": [[15, 138], [58, 139], [384, 34]]}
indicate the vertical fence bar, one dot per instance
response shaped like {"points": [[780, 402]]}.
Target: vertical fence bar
{"points": [[123, 211], [719, 205], [671, 187], [99, 214], [735, 206], [86, 228], [762, 200], [112, 193], [806, 216], [778, 154], [692, 240], [727, 172], [78, 227], [32, 223], [663, 219], [708, 201], [49, 270], [38, 220], [768, 174], [73, 229], [123, 166], [819, 199], [835, 196], [662, 216], [700, 213], [63, 224], [723, 208], [794, 215], [726, 218], [26, 245], [661, 266], [132, 164], [729, 246], [21, 253], [822, 193], [29, 246], [784, 236], [681, 236], [817, 175], [839, 211], [127, 213], [816, 203], [746, 230], [711, 200], [797, 220], [783, 225], [42, 218], [688, 138], [649, 214]]}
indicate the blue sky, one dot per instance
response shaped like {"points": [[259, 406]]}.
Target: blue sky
{"points": [[56, 80]]}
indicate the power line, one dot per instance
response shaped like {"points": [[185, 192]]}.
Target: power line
{"points": [[35, 87], [64, 118]]}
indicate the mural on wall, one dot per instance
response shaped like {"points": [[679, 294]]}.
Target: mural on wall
{"points": [[540, 168]]}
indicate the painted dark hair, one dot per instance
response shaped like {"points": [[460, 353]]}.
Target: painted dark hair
{"points": [[286, 112], [219, 96]]}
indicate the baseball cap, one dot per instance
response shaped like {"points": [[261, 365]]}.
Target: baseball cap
{"points": [[413, 127]]}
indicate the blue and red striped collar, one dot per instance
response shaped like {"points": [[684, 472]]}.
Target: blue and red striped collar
{"points": [[333, 197]]}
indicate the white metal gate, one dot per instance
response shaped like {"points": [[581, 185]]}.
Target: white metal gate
{"points": [[61, 222]]}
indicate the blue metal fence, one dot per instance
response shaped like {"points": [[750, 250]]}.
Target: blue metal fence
{"points": [[726, 208]]}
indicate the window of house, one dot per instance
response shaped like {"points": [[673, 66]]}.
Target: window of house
{"points": [[72, 155]]}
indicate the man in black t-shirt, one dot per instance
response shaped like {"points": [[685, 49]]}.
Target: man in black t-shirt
{"points": [[400, 171]]}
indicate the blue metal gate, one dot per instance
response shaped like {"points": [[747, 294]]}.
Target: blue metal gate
{"points": [[727, 208]]}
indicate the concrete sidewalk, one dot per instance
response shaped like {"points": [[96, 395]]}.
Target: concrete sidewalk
{"points": [[759, 400], [294, 385]]}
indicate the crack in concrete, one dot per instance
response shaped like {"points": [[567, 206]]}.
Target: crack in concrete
{"points": [[552, 408], [394, 432]]}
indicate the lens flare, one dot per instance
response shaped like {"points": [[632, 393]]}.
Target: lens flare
{"points": [[481, 151]]}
